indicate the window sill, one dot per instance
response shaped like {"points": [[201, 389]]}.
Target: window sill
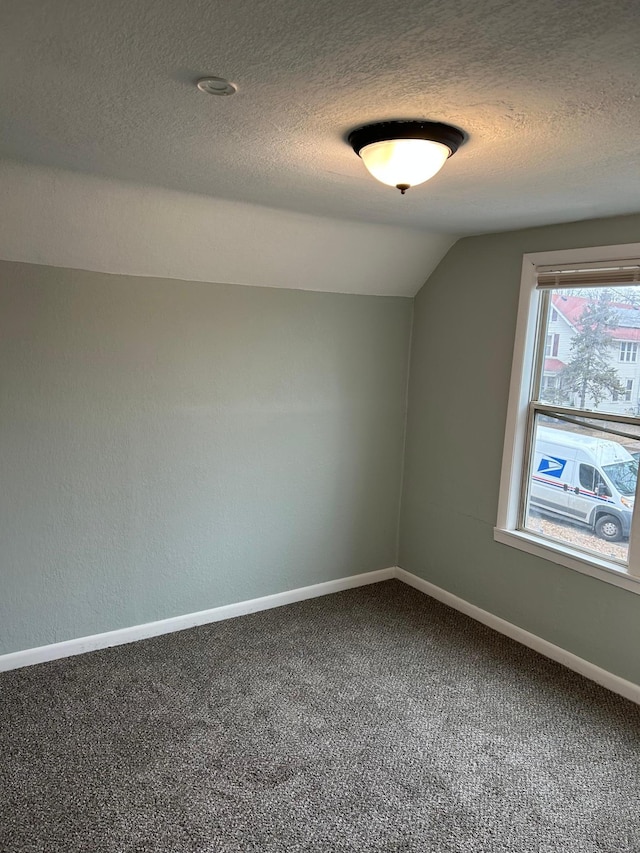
{"points": [[603, 570]]}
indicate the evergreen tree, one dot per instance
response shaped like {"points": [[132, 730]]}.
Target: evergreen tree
{"points": [[589, 372]]}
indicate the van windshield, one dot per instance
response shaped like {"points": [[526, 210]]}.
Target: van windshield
{"points": [[623, 475]]}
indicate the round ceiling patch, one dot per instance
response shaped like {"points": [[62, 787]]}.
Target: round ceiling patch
{"points": [[216, 86]]}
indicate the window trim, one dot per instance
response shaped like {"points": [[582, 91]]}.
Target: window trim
{"points": [[632, 348], [554, 346], [625, 396], [513, 460]]}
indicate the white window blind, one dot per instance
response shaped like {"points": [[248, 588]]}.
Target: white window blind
{"points": [[588, 275]]}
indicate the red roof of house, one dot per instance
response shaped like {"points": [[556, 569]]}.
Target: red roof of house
{"points": [[622, 334], [553, 365], [571, 308]]}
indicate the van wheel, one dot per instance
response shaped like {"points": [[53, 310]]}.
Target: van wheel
{"points": [[608, 527]]}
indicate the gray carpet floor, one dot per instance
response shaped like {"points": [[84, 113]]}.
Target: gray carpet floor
{"points": [[371, 720]]}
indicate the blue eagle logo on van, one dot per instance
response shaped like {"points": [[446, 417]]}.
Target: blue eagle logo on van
{"points": [[551, 466]]}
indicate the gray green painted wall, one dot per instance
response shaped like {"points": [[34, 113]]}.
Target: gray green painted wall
{"points": [[171, 446], [463, 335], [168, 446]]}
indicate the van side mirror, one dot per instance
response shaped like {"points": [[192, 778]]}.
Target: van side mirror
{"points": [[602, 491]]}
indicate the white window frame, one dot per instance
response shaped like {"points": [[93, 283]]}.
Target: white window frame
{"points": [[513, 460], [552, 345], [625, 395], [629, 348]]}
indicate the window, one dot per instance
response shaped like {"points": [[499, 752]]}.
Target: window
{"points": [[625, 394], [554, 315], [570, 464], [551, 345], [628, 351], [591, 480]]}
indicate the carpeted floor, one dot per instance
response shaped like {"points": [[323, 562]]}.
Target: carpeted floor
{"points": [[371, 720]]}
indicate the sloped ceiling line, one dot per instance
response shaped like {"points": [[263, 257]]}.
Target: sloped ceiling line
{"points": [[84, 222]]}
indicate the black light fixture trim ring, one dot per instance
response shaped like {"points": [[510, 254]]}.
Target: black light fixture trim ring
{"points": [[383, 131]]}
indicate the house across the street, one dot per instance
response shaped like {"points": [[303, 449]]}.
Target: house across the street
{"points": [[563, 326]]}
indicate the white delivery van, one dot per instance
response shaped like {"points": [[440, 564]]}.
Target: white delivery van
{"points": [[586, 479]]}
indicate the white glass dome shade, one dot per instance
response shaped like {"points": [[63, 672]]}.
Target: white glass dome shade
{"points": [[404, 154], [404, 162]]}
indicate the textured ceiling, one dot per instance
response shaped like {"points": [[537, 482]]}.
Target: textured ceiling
{"points": [[548, 91]]}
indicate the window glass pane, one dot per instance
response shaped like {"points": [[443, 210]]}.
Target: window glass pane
{"points": [[628, 351], [587, 478], [581, 483], [592, 353]]}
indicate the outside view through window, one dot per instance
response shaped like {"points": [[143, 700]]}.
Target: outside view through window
{"points": [[583, 471]]}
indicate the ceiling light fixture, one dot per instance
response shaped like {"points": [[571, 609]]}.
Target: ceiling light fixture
{"points": [[403, 154], [216, 86]]}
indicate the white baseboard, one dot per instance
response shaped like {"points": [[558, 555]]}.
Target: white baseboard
{"points": [[78, 646], [601, 676], [68, 648]]}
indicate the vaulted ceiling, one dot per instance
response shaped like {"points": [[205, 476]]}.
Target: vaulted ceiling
{"points": [[548, 92]]}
